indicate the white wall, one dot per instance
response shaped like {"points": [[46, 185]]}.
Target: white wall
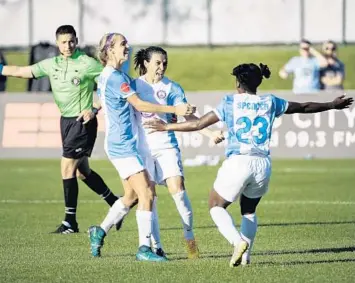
{"points": [[142, 21]]}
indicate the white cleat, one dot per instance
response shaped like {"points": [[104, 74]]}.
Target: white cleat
{"points": [[238, 253], [245, 262]]}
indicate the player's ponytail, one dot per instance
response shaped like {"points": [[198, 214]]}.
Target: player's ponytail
{"points": [[139, 61], [265, 71], [250, 76]]}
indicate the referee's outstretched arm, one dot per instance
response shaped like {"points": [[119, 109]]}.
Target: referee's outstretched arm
{"points": [[24, 72]]}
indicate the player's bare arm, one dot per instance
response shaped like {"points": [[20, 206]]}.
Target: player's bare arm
{"points": [[144, 106], [189, 126], [313, 107], [216, 136], [18, 72]]}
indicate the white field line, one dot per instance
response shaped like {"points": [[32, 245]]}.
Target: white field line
{"points": [[266, 202], [278, 170]]}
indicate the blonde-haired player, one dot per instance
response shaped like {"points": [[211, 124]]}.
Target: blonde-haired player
{"points": [[117, 98]]}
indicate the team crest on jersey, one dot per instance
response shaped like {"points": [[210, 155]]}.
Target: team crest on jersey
{"points": [[75, 81], [161, 94]]}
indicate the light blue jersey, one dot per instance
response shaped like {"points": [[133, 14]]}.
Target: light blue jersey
{"points": [[120, 136], [249, 119], [306, 74], [165, 92]]}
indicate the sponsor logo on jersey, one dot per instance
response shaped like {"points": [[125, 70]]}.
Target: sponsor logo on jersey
{"points": [[125, 87]]}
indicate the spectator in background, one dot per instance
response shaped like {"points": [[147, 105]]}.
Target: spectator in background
{"points": [[332, 75], [305, 69], [2, 78], [39, 52]]}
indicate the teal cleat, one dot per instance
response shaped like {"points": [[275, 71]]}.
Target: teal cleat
{"points": [[146, 254], [96, 235]]}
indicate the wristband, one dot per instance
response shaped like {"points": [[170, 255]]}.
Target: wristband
{"points": [[95, 111], [1, 67]]}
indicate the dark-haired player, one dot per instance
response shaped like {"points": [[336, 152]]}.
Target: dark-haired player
{"points": [[165, 166], [72, 75], [247, 169]]}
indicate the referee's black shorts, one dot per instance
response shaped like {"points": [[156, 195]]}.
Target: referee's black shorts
{"points": [[78, 140]]}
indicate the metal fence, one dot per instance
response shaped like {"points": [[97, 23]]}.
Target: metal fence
{"points": [[180, 22]]}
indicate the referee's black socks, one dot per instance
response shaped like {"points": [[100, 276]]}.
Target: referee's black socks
{"points": [[95, 182], [71, 199]]}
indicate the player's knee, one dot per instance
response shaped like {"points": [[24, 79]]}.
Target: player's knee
{"points": [[216, 200], [80, 175], [175, 184], [68, 169], [131, 200], [146, 195]]}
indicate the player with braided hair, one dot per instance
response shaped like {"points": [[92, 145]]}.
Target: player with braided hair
{"points": [[246, 171]]}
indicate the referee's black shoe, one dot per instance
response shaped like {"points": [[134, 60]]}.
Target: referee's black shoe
{"points": [[66, 228]]}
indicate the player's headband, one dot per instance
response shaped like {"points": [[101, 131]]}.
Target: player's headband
{"points": [[108, 40]]}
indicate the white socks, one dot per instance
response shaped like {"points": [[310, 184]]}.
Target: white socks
{"points": [[115, 214], [248, 230], [156, 244], [225, 224], [183, 205], [144, 222]]}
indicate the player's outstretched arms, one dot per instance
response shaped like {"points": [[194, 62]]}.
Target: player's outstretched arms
{"points": [[313, 107], [189, 126], [16, 71], [144, 106], [216, 136]]}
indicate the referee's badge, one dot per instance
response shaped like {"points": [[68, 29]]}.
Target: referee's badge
{"points": [[75, 81], [161, 94]]}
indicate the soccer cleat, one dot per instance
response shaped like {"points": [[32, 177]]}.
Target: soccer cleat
{"points": [[66, 228], [245, 262], [160, 252], [146, 254], [96, 235], [238, 253], [192, 249]]}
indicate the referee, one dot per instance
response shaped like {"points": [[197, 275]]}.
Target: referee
{"points": [[72, 75]]}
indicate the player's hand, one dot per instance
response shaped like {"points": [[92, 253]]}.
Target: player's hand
{"points": [[86, 116], [341, 102], [185, 109], [218, 137], [155, 125]]}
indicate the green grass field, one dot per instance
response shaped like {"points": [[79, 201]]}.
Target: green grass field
{"points": [[306, 229], [209, 69]]}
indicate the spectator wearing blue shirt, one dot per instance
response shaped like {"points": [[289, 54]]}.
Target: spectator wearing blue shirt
{"points": [[305, 69], [332, 75]]}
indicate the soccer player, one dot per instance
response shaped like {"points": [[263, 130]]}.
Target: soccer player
{"points": [[72, 75], [117, 97], [166, 166], [246, 171]]}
